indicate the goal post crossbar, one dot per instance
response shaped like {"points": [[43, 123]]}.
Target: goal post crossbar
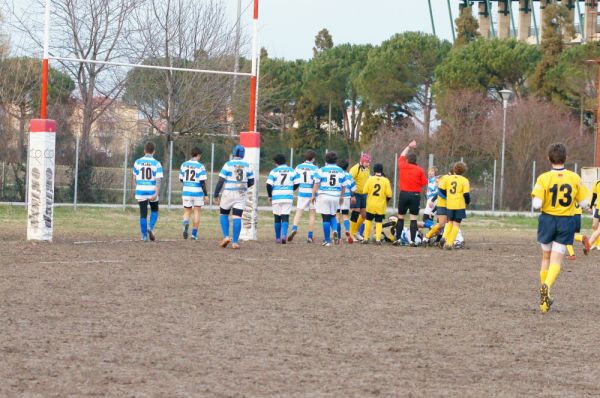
{"points": [[156, 67]]}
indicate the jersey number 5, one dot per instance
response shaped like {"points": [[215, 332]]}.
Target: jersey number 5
{"points": [[566, 190], [332, 180]]}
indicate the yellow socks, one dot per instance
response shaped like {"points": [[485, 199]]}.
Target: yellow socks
{"points": [[543, 275], [553, 272], [579, 237], [367, 229], [452, 235], [447, 230], [353, 228], [433, 231], [378, 229], [570, 250]]}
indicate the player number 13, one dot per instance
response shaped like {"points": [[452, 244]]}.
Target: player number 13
{"points": [[566, 191]]}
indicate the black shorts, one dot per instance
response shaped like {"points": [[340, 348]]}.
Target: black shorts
{"points": [[596, 215], [456, 215], [361, 201], [376, 217], [144, 207], [577, 218], [409, 201], [555, 229], [441, 211]]}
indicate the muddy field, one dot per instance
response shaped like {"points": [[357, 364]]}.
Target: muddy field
{"points": [[187, 319]]}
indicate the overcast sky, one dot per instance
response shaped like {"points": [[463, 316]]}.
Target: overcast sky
{"points": [[287, 27]]}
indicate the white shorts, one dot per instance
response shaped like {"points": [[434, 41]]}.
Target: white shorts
{"points": [[346, 204], [233, 200], [428, 210], [327, 204], [192, 202], [304, 204], [280, 209]]}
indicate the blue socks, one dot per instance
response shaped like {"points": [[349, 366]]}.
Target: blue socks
{"points": [[327, 231], [195, 233], [277, 230], [186, 222], [339, 229], [334, 224], [346, 226], [295, 228], [284, 229], [310, 234], [153, 219], [237, 228], [224, 220], [144, 227], [361, 230]]}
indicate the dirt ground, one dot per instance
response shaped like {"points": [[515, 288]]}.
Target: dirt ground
{"points": [[187, 319]]}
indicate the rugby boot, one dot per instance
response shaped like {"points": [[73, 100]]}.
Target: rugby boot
{"points": [[545, 302], [225, 242]]}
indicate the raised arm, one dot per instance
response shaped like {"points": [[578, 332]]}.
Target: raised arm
{"points": [[411, 145]]}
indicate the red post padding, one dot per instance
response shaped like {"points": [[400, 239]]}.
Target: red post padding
{"points": [[42, 126], [250, 139]]}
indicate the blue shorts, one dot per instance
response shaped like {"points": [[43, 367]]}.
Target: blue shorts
{"points": [[441, 211], [361, 201], [555, 229], [456, 215], [596, 215], [577, 218]]}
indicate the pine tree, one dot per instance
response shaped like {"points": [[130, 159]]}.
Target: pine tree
{"points": [[466, 27]]}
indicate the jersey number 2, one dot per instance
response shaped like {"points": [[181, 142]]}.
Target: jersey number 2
{"points": [[377, 189]]}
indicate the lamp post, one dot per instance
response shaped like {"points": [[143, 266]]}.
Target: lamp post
{"points": [[506, 94]]}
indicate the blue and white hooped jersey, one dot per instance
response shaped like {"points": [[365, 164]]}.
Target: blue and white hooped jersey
{"points": [[305, 172], [191, 174], [146, 171], [432, 188], [331, 178], [282, 179], [236, 173], [350, 185]]}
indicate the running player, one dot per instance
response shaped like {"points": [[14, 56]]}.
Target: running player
{"points": [[281, 184], [192, 175], [458, 196], [343, 215], [148, 173], [578, 236], [330, 183], [305, 171], [360, 172], [555, 193], [379, 193], [235, 178]]}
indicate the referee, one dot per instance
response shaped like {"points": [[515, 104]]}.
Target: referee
{"points": [[412, 180]]}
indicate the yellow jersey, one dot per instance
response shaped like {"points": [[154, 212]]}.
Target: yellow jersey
{"points": [[441, 202], [596, 191], [578, 209], [456, 187], [379, 191], [360, 175], [559, 191]]}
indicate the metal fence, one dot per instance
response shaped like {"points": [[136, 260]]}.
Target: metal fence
{"points": [[113, 184]]}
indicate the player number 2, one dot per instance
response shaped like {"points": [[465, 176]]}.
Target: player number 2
{"points": [[566, 191], [377, 189]]}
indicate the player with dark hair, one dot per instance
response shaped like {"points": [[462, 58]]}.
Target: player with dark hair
{"points": [[457, 192], [148, 174], [192, 175], [281, 184], [330, 183], [305, 172], [235, 178], [360, 172], [344, 210], [556, 192], [379, 192], [412, 180]]}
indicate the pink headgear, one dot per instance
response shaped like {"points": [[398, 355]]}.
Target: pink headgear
{"points": [[365, 158]]}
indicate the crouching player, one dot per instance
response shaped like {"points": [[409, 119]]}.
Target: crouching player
{"points": [[556, 192], [329, 184], [344, 210], [235, 178], [192, 175], [440, 211], [148, 173], [457, 192], [281, 184], [379, 193]]}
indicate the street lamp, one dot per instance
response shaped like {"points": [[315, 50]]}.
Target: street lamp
{"points": [[506, 94]]}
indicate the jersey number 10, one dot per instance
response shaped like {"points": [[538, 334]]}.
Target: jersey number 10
{"points": [[146, 173]]}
